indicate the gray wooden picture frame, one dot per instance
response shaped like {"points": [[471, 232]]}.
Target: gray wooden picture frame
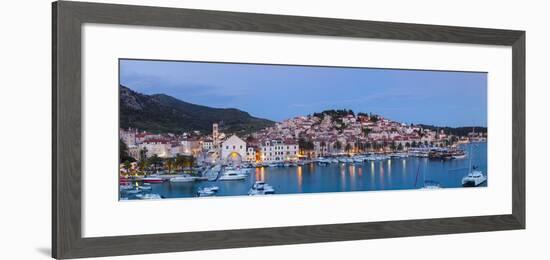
{"points": [[67, 21]]}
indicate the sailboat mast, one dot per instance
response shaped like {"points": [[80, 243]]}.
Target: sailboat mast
{"points": [[470, 159]]}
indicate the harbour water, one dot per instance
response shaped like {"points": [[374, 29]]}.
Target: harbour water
{"points": [[390, 174]]}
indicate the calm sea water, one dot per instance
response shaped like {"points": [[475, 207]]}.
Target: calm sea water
{"points": [[391, 174]]}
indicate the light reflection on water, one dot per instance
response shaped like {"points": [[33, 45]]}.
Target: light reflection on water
{"points": [[382, 175]]}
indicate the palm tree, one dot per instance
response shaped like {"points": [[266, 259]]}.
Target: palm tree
{"points": [[338, 145], [323, 145], [348, 147], [393, 146], [127, 165], [142, 166], [180, 162], [169, 164], [155, 161]]}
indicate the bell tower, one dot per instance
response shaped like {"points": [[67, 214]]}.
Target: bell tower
{"points": [[215, 135]]}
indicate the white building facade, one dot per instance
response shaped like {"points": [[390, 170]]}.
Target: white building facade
{"points": [[278, 151], [233, 150]]}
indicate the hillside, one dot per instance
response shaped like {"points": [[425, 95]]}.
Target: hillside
{"points": [[161, 113]]}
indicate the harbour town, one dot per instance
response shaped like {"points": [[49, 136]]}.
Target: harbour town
{"points": [[327, 151]]}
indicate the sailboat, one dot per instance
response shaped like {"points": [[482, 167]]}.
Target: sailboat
{"points": [[474, 177], [428, 184]]}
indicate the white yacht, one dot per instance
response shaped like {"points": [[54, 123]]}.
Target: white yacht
{"points": [[185, 178], [207, 191], [358, 159], [126, 186], [261, 188], [474, 178], [322, 161], [145, 186], [232, 175]]}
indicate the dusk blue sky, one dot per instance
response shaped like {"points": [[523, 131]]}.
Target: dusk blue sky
{"points": [[279, 92]]}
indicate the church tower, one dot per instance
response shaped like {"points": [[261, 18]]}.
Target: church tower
{"points": [[215, 135]]}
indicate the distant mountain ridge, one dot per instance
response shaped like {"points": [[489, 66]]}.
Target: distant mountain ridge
{"points": [[460, 131], [161, 113]]}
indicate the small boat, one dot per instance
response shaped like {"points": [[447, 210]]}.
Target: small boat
{"points": [[145, 186], [232, 175], [126, 186], [431, 185], [322, 161], [149, 196], [459, 155], [358, 159], [213, 188], [185, 178], [152, 179], [207, 191], [261, 188], [132, 191], [399, 155]]}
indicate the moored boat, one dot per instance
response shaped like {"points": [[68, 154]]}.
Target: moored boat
{"points": [[207, 191], [153, 179], [149, 196], [232, 175], [261, 188], [473, 178], [185, 178]]}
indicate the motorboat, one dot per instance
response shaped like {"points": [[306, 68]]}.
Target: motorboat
{"points": [[213, 188], [358, 159], [459, 155], [274, 165], [431, 185], [399, 155], [323, 162], [207, 191], [185, 178], [145, 186], [126, 186], [152, 179], [232, 175], [133, 191], [261, 188], [149, 196]]}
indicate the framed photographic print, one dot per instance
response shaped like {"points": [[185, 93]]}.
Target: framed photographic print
{"points": [[180, 129]]}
